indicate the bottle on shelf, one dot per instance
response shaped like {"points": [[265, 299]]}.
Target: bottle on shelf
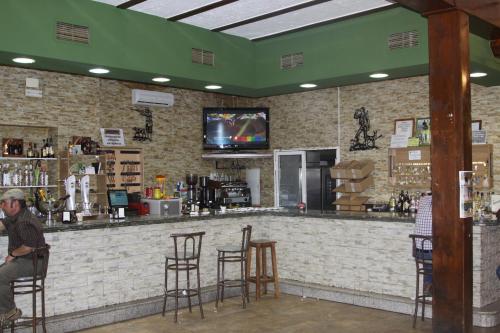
{"points": [[392, 203], [36, 153], [51, 148], [43, 150], [29, 151]]}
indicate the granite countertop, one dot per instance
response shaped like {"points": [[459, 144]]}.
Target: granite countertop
{"points": [[141, 220]]}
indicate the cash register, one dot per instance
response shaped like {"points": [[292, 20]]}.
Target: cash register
{"points": [[118, 202]]}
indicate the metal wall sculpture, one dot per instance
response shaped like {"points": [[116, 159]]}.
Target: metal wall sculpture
{"points": [[146, 133], [362, 140]]}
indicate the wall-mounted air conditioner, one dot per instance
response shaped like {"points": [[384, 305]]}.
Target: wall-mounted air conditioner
{"points": [[152, 98]]}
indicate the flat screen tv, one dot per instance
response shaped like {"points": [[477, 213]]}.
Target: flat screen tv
{"points": [[235, 128]]}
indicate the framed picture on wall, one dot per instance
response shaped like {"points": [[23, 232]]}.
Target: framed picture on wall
{"points": [[477, 125], [423, 130], [404, 127]]}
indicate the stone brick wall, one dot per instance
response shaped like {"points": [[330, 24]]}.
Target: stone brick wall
{"points": [[80, 105], [100, 267]]}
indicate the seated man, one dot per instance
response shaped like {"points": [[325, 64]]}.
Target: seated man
{"points": [[423, 227], [25, 233]]}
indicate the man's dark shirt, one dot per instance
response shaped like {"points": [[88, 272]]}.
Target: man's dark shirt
{"points": [[24, 229]]}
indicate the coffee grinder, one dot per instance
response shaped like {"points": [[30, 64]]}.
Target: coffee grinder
{"points": [[205, 197], [192, 195]]}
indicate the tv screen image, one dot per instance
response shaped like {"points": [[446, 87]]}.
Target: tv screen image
{"points": [[236, 128]]}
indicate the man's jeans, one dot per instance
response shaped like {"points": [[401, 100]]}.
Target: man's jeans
{"points": [[425, 255], [17, 268]]}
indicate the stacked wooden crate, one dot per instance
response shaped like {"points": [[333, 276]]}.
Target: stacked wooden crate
{"points": [[356, 177]]}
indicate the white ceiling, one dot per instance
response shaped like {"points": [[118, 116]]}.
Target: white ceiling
{"points": [[246, 9]]}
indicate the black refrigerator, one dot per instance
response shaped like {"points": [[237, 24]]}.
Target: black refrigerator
{"points": [[319, 182]]}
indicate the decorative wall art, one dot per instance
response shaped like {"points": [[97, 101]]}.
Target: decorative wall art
{"points": [[362, 140], [146, 133]]}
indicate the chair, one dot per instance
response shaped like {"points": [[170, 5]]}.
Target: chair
{"points": [[32, 285], [186, 257], [237, 254], [261, 276], [423, 265]]}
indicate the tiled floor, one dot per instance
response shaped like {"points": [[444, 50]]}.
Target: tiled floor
{"points": [[288, 314]]}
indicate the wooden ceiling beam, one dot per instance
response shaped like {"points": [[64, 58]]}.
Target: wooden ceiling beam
{"points": [[270, 14], [201, 10], [129, 4], [495, 47], [425, 7]]}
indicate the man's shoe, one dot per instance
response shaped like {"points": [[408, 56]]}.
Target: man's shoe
{"points": [[428, 289], [13, 314]]}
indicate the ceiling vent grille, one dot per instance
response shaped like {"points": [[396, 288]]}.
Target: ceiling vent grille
{"points": [[72, 32], [402, 40], [204, 57], [290, 61]]}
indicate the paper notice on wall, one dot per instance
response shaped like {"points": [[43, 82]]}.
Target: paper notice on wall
{"points": [[399, 141], [112, 137], [466, 194], [414, 155], [30, 92]]}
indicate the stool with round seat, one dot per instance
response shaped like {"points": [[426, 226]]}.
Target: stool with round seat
{"points": [[186, 257], [423, 266], [32, 285], [233, 254], [261, 276]]}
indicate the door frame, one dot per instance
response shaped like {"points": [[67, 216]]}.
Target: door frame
{"points": [[302, 152], [302, 178]]}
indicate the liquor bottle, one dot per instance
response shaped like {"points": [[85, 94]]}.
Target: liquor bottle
{"points": [[51, 148], [29, 152], [43, 150], [392, 203]]}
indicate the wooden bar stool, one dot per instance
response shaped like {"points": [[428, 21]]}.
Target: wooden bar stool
{"points": [[261, 276]]}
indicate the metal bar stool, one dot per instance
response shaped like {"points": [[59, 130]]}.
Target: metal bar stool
{"points": [[186, 257], [261, 276], [32, 285], [423, 265], [233, 253]]}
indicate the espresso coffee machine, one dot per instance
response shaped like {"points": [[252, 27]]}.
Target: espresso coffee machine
{"points": [[236, 194], [192, 195]]}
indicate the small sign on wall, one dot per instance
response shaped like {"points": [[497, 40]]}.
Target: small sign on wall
{"points": [[33, 88], [466, 194], [112, 137]]}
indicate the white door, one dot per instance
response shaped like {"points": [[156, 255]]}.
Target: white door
{"points": [[290, 186]]}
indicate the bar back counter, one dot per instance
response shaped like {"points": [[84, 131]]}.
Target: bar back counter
{"points": [[102, 272]]}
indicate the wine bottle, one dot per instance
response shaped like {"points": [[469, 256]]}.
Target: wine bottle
{"points": [[43, 152]]}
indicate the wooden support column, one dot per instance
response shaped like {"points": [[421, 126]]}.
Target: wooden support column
{"points": [[450, 110]]}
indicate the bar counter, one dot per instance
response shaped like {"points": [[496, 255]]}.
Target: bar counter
{"points": [[111, 271]]}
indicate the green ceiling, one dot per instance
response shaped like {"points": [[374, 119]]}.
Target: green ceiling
{"points": [[137, 47]]}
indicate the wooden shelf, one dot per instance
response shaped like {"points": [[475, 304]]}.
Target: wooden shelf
{"points": [[29, 158], [236, 155], [31, 186]]}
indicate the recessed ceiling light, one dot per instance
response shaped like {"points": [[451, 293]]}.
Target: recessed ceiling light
{"points": [[99, 70], [379, 75], [478, 74], [161, 79], [212, 87], [23, 60], [308, 85]]}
